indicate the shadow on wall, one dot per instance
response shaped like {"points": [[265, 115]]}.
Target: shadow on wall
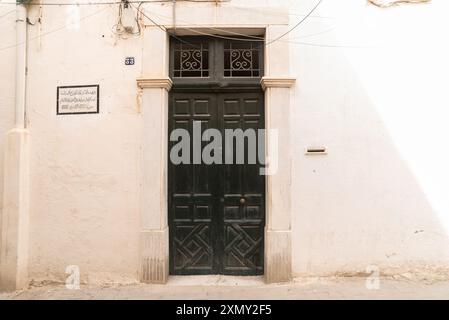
{"points": [[379, 197]]}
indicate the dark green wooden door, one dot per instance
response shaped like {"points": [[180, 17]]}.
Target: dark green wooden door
{"points": [[216, 211]]}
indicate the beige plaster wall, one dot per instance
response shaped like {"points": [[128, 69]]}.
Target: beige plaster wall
{"points": [[371, 88], [85, 168], [7, 80]]}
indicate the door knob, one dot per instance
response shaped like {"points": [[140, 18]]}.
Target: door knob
{"points": [[242, 201]]}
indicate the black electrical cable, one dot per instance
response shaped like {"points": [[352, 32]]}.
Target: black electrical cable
{"points": [[101, 3], [298, 24]]}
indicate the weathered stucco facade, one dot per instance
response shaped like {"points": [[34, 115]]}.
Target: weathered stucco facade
{"points": [[365, 82]]}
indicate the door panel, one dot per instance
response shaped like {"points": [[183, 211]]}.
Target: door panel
{"points": [[192, 198], [216, 212], [243, 190]]}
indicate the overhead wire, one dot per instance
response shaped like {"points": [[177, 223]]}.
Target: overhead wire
{"points": [[296, 25], [120, 30], [101, 3], [246, 36], [52, 31], [265, 11], [7, 13], [270, 12], [242, 37]]}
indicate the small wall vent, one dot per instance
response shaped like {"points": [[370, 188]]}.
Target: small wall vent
{"points": [[316, 151]]}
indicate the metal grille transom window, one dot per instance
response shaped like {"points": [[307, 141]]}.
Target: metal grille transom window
{"points": [[191, 59], [210, 60], [241, 59]]}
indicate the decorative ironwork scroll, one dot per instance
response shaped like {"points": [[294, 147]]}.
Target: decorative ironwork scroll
{"points": [[191, 60], [241, 59]]}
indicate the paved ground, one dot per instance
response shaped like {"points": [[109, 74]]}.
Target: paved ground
{"points": [[219, 287], [248, 288]]}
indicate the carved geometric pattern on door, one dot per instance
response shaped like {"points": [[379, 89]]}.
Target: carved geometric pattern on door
{"points": [[242, 251], [193, 246]]}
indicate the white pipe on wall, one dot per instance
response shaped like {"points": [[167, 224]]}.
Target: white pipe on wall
{"points": [[21, 61]]}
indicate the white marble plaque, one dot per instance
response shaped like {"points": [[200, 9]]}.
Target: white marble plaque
{"points": [[78, 99]]}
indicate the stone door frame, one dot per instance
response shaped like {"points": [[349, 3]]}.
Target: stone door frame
{"points": [[153, 88]]}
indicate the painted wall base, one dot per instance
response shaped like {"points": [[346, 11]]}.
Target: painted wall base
{"points": [[15, 214], [278, 256], [154, 258]]}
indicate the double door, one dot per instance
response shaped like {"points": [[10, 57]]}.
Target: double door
{"points": [[216, 211]]}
